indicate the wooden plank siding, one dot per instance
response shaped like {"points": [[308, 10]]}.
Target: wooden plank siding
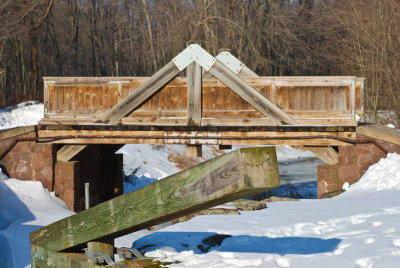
{"points": [[308, 100]]}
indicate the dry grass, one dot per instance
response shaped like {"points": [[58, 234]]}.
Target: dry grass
{"points": [[182, 161]]}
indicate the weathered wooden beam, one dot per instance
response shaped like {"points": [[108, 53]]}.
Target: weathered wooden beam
{"points": [[325, 153], [235, 65], [141, 94], [249, 94], [67, 152], [41, 257], [380, 132], [231, 176], [194, 150], [14, 132], [194, 93]]}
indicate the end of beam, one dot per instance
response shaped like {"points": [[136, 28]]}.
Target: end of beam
{"points": [[194, 151]]}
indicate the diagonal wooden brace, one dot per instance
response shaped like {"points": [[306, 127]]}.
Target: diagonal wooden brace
{"points": [[226, 178]]}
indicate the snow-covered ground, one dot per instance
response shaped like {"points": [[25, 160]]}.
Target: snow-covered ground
{"points": [[360, 228], [24, 114]]}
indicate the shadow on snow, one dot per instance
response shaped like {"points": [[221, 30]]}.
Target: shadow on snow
{"points": [[197, 241]]}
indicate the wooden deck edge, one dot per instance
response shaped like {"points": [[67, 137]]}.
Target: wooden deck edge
{"points": [[380, 132], [287, 128], [14, 132]]}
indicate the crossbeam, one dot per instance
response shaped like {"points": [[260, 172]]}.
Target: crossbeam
{"points": [[226, 178]]}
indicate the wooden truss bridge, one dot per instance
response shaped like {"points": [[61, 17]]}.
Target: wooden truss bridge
{"points": [[220, 102]]}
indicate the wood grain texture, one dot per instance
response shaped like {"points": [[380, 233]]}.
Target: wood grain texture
{"points": [[67, 152], [252, 96], [194, 94], [231, 176], [141, 94], [194, 150], [88, 99], [251, 135], [44, 258], [326, 154], [380, 132], [14, 132]]}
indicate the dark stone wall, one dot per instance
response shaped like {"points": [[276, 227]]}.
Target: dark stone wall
{"points": [[96, 164], [29, 160], [354, 161]]}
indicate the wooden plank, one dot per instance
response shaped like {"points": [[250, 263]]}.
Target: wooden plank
{"points": [[141, 94], [14, 132], [326, 154], [246, 72], [46, 97], [194, 150], [220, 141], [140, 80], [353, 99], [67, 152], [240, 122], [194, 94], [360, 96], [107, 248], [41, 257], [226, 178], [273, 93], [380, 133], [249, 137], [62, 95], [252, 96]]}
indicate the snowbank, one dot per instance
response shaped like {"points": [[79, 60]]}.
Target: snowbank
{"points": [[24, 207], [383, 175], [24, 114]]}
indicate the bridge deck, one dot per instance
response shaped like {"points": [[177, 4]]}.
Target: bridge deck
{"points": [[196, 135]]}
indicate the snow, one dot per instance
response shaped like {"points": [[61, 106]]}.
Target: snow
{"points": [[359, 228], [390, 125], [24, 207], [24, 114]]}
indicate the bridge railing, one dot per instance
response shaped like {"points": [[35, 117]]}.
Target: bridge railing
{"points": [[309, 100]]}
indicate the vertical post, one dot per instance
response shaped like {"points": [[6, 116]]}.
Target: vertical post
{"points": [[353, 99], [103, 247], [272, 98], [87, 196], [194, 92]]}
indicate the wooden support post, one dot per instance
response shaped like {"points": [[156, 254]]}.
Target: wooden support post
{"points": [[226, 178], [249, 94], [101, 247], [353, 99], [194, 93], [194, 150], [141, 94], [107, 248]]}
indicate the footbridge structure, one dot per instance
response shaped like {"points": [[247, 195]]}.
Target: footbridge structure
{"points": [[196, 99]]}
